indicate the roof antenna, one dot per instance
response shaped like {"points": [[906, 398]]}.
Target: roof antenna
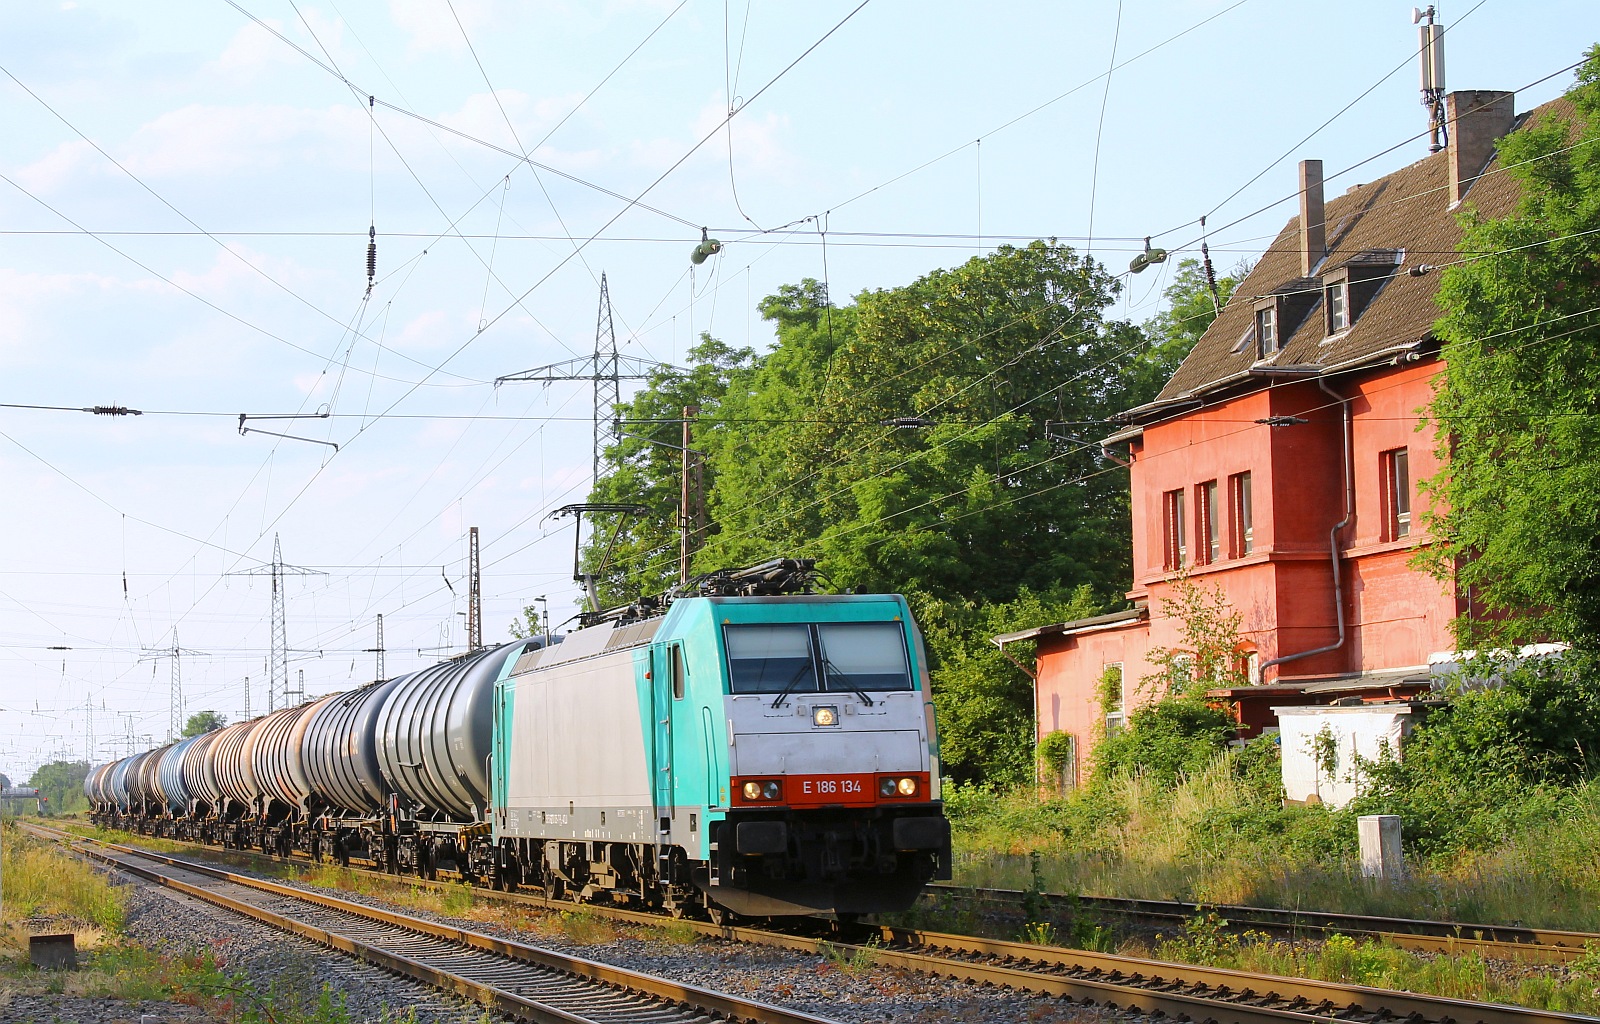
{"points": [[1430, 48]]}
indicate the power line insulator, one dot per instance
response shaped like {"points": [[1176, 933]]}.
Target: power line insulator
{"points": [[372, 255]]}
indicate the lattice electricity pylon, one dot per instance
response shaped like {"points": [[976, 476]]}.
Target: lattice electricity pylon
{"points": [[176, 654], [605, 368], [278, 673], [474, 594]]}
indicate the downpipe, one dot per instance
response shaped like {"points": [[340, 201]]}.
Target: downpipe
{"points": [[1333, 538]]}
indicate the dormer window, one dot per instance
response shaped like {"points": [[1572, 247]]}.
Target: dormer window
{"points": [[1267, 329], [1337, 301]]}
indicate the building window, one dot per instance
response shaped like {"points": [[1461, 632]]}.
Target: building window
{"points": [[1397, 485], [1114, 697], [1241, 517], [1267, 330], [1175, 545], [1338, 303], [1210, 538]]}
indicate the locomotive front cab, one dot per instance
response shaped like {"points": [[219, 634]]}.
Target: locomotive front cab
{"points": [[832, 801]]}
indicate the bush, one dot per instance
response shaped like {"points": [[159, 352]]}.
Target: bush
{"points": [[1174, 737], [1493, 762]]}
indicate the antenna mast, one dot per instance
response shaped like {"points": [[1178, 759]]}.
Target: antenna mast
{"points": [[1430, 50]]}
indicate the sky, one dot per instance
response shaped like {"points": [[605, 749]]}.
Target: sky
{"points": [[187, 194]]}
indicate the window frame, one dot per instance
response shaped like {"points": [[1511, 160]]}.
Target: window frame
{"points": [[1395, 464], [1115, 719], [1174, 529], [1241, 515], [1339, 283], [1268, 319], [1208, 528]]}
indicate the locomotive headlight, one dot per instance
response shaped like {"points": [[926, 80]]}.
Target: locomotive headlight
{"points": [[907, 787], [752, 791], [825, 715], [771, 790], [886, 787]]}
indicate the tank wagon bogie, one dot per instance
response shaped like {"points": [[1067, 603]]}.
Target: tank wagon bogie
{"points": [[739, 748]]}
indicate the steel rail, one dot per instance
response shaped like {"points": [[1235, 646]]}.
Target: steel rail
{"points": [[1177, 990], [484, 968], [1547, 945]]}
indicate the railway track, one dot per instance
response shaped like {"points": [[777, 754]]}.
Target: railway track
{"points": [[1538, 945], [524, 981], [1156, 988]]}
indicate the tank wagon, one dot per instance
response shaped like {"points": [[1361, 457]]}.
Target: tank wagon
{"points": [[743, 746]]}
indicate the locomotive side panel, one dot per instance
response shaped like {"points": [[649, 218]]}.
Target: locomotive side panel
{"points": [[575, 752]]}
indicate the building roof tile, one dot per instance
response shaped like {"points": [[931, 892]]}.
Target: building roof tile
{"points": [[1404, 216]]}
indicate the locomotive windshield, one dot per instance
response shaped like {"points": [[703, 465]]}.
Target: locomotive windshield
{"points": [[849, 657]]}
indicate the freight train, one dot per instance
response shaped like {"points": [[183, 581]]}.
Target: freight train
{"points": [[741, 747]]}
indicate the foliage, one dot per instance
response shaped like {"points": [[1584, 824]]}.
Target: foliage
{"points": [[645, 467], [1209, 650], [1493, 759], [204, 722], [985, 703], [1054, 750], [1174, 331], [1516, 511], [1170, 738], [61, 782], [987, 353]]}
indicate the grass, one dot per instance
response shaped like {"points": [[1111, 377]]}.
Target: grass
{"points": [[1365, 962], [47, 890], [1214, 839]]}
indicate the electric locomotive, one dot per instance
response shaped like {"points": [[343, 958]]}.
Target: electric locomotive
{"points": [[741, 746], [750, 750]]}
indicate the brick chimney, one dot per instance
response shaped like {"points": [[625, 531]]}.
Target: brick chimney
{"points": [[1476, 118], [1313, 231]]}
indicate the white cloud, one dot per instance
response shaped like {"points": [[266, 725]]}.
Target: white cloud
{"points": [[757, 145], [432, 28], [65, 162], [199, 140]]}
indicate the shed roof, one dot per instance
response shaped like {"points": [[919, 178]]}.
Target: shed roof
{"points": [[1089, 625]]}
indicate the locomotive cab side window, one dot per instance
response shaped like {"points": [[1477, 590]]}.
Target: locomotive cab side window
{"points": [[770, 659], [675, 653]]}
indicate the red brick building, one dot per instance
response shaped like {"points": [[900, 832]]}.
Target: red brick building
{"points": [[1281, 462]]}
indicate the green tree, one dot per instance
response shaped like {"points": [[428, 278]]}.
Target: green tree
{"points": [[645, 467], [61, 782], [985, 703], [1173, 332], [1516, 512], [1002, 359], [204, 722]]}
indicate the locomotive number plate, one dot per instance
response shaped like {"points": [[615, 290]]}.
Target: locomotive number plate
{"points": [[803, 790]]}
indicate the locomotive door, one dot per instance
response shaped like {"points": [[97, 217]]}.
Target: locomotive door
{"points": [[667, 686]]}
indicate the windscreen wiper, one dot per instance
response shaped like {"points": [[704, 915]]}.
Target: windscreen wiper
{"points": [[788, 687], [832, 670]]}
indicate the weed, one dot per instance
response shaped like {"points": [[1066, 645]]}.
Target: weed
{"points": [[586, 928], [456, 900], [672, 932], [1039, 934], [854, 962]]}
